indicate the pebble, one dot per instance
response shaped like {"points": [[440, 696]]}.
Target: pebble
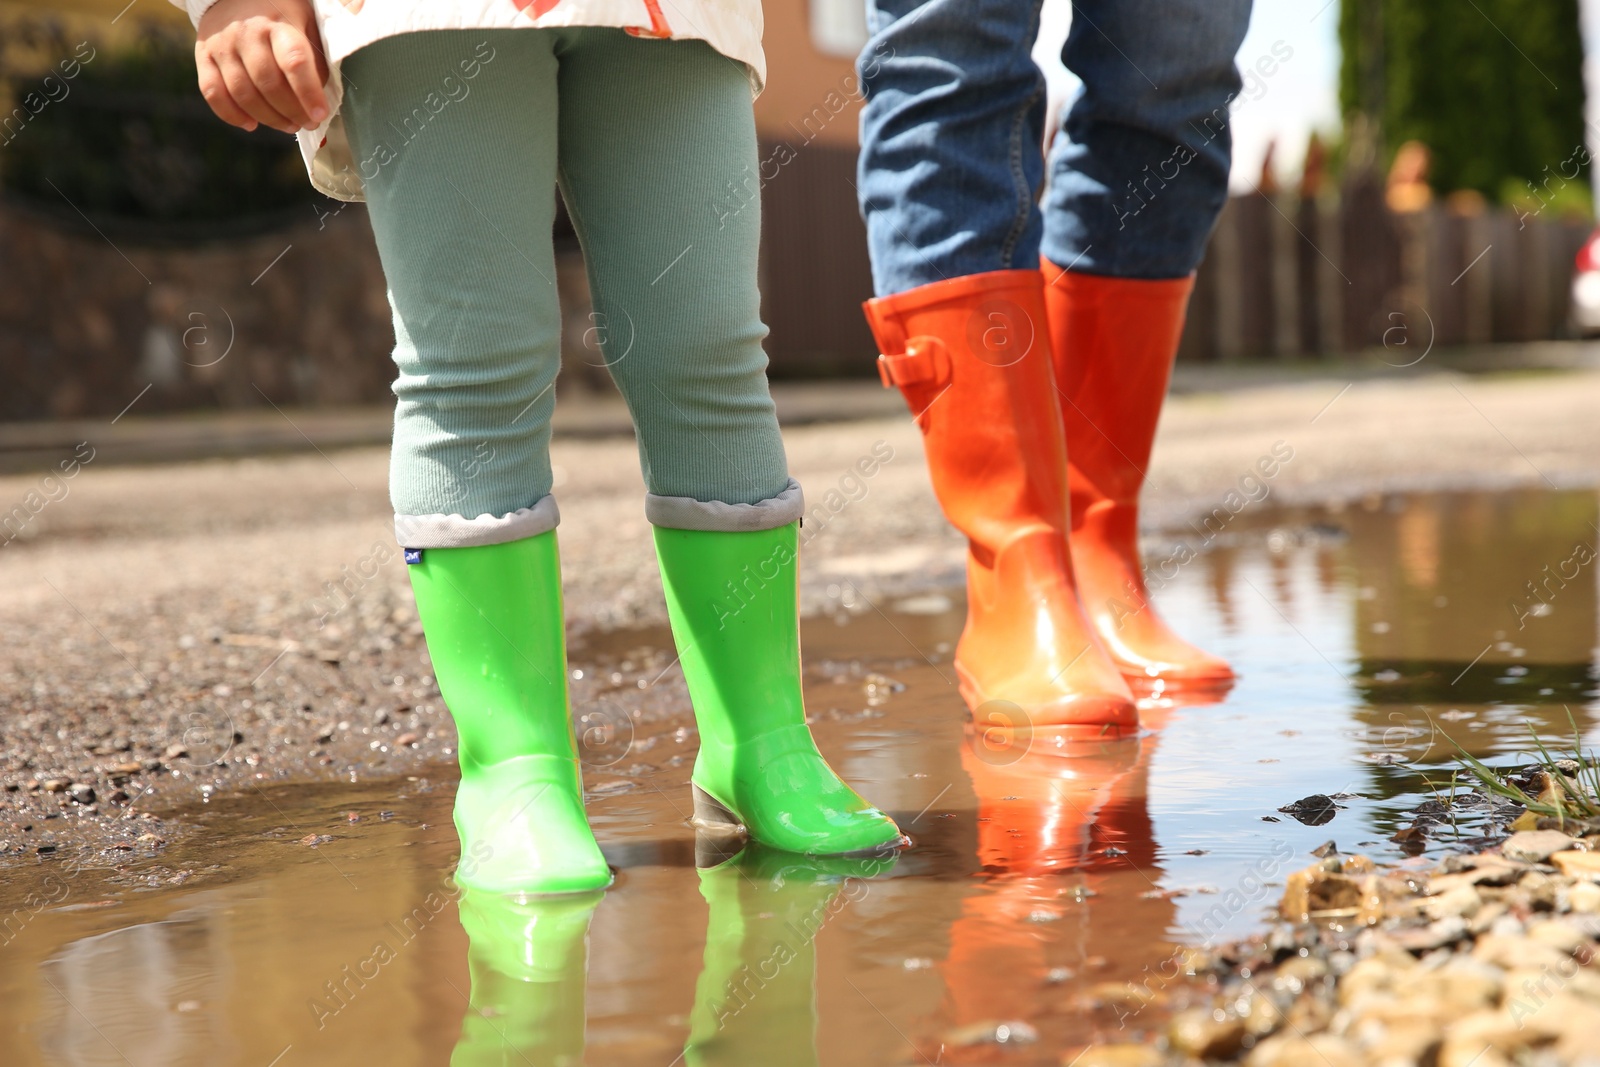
{"points": [[1463, 901], [1007, 1032], [1115, 1056], [1293, 1050], [1535, 846], [1199, 1033], [56, 785], [1331, 886], [1584, 897], [1559, 936], [1585, 865], [1446, 931], [407, 740], [83, 794]]}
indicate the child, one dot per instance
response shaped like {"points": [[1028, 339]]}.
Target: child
{"points": [[456, 120]]}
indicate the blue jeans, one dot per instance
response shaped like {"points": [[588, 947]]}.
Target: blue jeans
{"points": [[951, 135]]}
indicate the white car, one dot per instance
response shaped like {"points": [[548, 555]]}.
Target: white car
{"points": [[1586, 288]]}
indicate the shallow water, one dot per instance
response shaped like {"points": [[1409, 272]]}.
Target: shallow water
{"points": [[1045, 886]]}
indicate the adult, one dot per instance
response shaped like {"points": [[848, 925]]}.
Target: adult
{"points": [[1034, 341]]}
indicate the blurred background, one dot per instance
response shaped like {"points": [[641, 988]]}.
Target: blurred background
{"points": [[1402, 167]]}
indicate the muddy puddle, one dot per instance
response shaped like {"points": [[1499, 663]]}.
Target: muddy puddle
{"points": [[314, 925]]}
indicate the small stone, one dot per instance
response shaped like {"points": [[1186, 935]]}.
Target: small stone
{"points": [[1446, 931], [1199, 1033], [176, 751], [1462, 901], [1487, 916], [1535, 846], [380, 717], [313, 840], [1584, 897], [1402, 1041], [1486, 1034], [130, 767], [1512, 953], [1464, 981], [1008, 1032], [1313, 810], [1115, 1056], [1293, 1050], [82, 794], [1296, 972], [1576, 1021], [1375, 974], [1559, 936], [1580, 865], [1324, 889], [407, 740], [56, 785]]}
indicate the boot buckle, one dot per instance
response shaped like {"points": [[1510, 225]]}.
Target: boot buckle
{"points": [[925, 362]]}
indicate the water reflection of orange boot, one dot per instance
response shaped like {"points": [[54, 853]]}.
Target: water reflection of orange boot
{"points": [[529, 963], [1040, 812], [1114, 340], [1036, 806]]}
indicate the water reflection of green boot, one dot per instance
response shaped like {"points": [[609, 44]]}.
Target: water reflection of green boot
{"points": [[732, 600], [529, 959], [755, 1001], [492, 616]]}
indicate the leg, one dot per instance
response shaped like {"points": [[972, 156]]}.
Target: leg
{"points": [[653, 135], [1139, 173], [950, 162], [462, 215], [1139, 169]]}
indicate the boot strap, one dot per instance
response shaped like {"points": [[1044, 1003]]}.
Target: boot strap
{"points": [[925, 362]]}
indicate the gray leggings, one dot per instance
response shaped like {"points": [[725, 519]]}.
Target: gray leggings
{"points": [[462, 137]]}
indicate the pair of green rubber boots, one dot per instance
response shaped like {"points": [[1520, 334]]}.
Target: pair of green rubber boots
{"points": [[493, 620]]}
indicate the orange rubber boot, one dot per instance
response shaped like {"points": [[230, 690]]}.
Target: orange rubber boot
{"points": [[1114, 340], [971, 357]]}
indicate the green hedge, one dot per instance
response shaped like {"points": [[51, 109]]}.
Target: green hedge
{"points": [[122, 140], [1493, 87]]}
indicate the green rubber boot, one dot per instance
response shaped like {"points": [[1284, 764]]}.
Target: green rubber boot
{"points": [[732, 599], [755, 1001], [529, 962], [492, 616]]}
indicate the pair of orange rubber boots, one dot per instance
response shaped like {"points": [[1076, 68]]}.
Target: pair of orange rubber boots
{"points": [[1038, 393]]}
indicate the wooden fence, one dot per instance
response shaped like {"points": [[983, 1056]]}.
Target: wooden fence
{"points": [[1284, 278], [302, 317], [1281, 278]]}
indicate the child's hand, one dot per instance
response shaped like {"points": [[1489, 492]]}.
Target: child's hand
{"points": [[261, 61]]}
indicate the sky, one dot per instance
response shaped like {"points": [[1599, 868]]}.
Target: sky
{"points": [[1303, 94]]}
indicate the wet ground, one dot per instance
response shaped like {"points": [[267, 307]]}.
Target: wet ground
{"points": [[294, 923]]}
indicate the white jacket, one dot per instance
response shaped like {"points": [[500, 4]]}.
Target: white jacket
{"points": [[732, 27]]}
